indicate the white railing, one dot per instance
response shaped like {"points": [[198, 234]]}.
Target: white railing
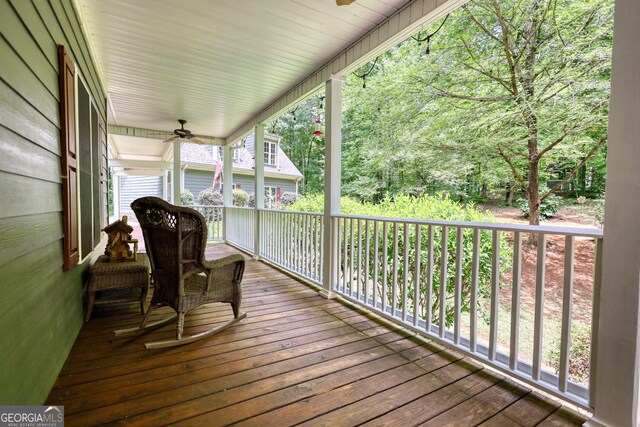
{"points": [[481, 297], [240, 227], [215, 221], [293, 241]]}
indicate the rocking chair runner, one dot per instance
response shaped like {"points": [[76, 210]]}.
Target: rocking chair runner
{"points": [[175, 238]]}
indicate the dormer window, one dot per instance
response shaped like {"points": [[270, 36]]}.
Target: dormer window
{"points": [[270, 153]]}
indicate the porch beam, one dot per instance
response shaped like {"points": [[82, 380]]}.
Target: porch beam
{"points": [[259, 185], [617, 335], [227, 186], [157, 134], [332, 177], [139, 164], [405, 22]]}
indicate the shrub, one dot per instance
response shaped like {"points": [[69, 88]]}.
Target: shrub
{"points": [[209, 197], [288, 198], [431, 208], [240, 198], [252, 200], [548, 207], [186, 198]]}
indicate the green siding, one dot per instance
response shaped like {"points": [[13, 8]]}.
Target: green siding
{"points": [[41, 306]]}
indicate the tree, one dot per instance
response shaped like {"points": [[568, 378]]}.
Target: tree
{"points": [[532, 78]]}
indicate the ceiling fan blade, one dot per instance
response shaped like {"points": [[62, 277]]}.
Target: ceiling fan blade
{"points": [[173, 138], [344, 2], [194, 140]]}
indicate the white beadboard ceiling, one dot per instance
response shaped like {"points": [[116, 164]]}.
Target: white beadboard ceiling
{"points": [[215, 63]]}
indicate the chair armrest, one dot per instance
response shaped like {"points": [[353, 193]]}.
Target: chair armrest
{"points": [[223, 261]]}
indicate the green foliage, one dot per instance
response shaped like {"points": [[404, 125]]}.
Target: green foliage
{"points": [[240, 198], [252, 200], [548, 207], [288, 198], [186, 198], [579, 354], [439, 207], [210, 197]]}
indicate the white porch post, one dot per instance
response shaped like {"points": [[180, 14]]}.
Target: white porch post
{"points": [[177, 175], [616, 379], [227, 186], [332, 177], [115, 181], [259, 185]]}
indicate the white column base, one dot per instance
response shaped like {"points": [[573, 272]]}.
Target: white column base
{"points": [[327, 294]]}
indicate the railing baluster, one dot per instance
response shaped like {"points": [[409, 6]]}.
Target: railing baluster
{"points": [[458, 287], [359, 260], [385, 242], [366, 262], [595, 318], [344, 265], [495, 293], [416, 276], [320, 247], [567, 297], [515, 300], [429, 296], [351, 255], [444, 251], [394, 275], [405, 281], [473, 298], [539, 307], [376, 260]]}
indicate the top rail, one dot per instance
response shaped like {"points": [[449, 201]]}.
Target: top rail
{"points": [[565, 231]]}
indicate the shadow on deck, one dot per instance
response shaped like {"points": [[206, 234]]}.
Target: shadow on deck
{"points": [[296, 358]]}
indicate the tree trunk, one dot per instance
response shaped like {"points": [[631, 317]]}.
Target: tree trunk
{"points": [[534, 187]]}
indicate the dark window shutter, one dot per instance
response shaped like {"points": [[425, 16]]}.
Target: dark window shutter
{"points": [[69, 159], [278, 194]]}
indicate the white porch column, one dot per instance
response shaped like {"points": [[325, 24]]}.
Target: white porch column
{"points": [[259, 185], [227, 186], [177, 175], [332, 177], [616, 379], [115, 181]]}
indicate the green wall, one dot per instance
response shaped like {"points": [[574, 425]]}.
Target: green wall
{"points": [[40, 305]]}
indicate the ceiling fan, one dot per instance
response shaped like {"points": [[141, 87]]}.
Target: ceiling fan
{"points": [[344, 2], [184, 134]]}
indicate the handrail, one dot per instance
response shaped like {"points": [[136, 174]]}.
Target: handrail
{"points": [[564, 231]]}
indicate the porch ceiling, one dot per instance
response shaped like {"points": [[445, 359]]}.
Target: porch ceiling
{"points": [[215, 63]]}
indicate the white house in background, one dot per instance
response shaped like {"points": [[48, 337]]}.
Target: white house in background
{"points": [[198, 170], [280, 174]]}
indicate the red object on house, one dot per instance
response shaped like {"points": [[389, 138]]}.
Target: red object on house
{"points": [[217, 178], [318, 132]]}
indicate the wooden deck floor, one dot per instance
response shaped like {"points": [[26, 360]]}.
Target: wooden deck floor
{"points": [[296, 359]]}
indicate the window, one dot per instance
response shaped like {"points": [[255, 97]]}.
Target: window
{"points": [[269, 196], [270, 153], [234, 152], [84, 167]]}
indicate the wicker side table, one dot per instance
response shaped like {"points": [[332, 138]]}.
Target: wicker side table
{"points": [[117, 282]]}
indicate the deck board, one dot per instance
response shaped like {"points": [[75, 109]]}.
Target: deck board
{"points": [[296, 358]]}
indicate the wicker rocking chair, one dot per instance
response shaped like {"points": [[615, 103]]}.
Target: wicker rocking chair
{"points": [[175, 238]]}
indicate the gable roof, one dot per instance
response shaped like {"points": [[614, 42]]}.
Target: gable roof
{"points": [[245, 163]]}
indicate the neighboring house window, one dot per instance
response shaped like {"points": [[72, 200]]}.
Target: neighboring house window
{"points": [[270, 153], [271, 197], [235, 154]]}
